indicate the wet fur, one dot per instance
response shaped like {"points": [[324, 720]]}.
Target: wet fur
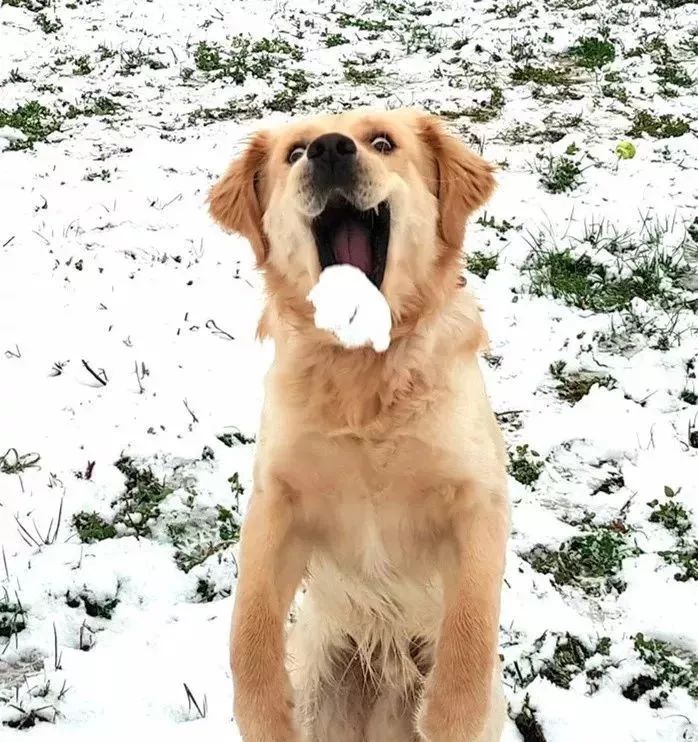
{"points": [[380, 483]]}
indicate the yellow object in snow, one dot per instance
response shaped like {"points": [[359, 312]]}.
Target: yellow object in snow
{"points": [[626, 151]]}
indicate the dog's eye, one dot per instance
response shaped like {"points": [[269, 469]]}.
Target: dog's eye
{"points": [[296, 153], [382, 144]]}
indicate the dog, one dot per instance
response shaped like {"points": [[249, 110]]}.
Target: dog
{"points": [[379, 496]]}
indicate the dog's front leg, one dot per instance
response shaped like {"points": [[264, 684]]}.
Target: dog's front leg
{"points": [[457, 698], [273, 557]]}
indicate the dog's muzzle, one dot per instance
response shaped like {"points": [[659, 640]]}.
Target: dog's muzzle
{"points": [[332, 159]]}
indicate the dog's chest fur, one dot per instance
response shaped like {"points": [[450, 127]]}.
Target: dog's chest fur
{"points": [[373, 577]]}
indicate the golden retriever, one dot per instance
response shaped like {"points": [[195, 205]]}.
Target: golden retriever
{"points": [[379, 482]]}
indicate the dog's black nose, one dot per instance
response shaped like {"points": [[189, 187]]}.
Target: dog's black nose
{"points": [[332, 157]]}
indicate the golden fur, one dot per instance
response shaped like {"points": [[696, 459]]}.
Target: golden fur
{"points": [[380, 481]]}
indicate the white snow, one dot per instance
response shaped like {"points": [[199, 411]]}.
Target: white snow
{"points": [[127, 324], [8, 135], [350, 306]]}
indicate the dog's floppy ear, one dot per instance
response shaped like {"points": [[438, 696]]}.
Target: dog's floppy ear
{"points": [[465, 180], [234, 200]]}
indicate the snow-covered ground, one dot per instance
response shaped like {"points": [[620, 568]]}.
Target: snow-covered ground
{"points": [[130, 382]]}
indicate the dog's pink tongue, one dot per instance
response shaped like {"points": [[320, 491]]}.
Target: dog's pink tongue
{"points": [[351, 246]]}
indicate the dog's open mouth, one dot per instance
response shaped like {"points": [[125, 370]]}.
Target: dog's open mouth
{"points": [[346, 235]]}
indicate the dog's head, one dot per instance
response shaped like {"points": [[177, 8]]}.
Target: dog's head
{"points": [[387, 192]]}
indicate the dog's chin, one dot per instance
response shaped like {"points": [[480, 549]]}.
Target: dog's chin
{"points": [[347, 235]]}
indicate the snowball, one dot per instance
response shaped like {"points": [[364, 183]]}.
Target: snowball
{"points": [[352, 308]]}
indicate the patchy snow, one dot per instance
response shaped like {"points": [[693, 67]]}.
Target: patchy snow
{"points": [[349, 306], [131, 384]]}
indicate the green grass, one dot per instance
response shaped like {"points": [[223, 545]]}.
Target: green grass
{"points": [[671, 666], [677, 520], [207, 58], [104, 52], [94, 607], [673, 4], [261, 59], [12, 616], [672, 515], [491, 223], [406, 10], [657, 47], [91, 527], [644, 269], [277, 46], [567, 662], [238, 109], [640, 685], [100, 106], [81, 65], [287, 100], [552, 130], [611, 483], [573, 278], [132, 60], [139, 504], [571, 387], [361, 74], [540, 75], [16, 76], [284, 101], [418, 37], [521, 51], [525, 464], [512, 9], [46, 24], [346, 20], [592, 52], [660, 127], [527, 724], [558, 174], [195, 532], [245, 57], [202, 535], [102, 174], [590, 562], [671, 73], [692, 231], [487, 110], [194, 547], [685, 557], [13, 462], [569, 659], [207, 592], [30, 5], [481, 264], [689, 44], [693, 434], [334, 39], [615, 91], [235, 438], [35, 121]]}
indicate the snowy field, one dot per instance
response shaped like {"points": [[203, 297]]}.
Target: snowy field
{"points": [[130, 381]]}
